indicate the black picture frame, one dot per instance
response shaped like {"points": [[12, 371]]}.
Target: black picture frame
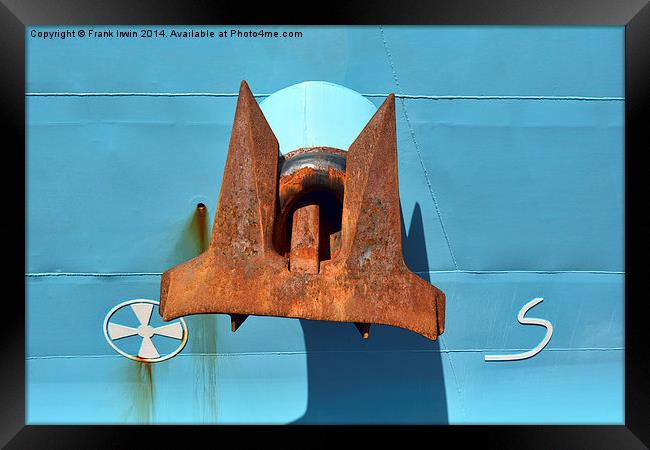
{"points": [[15, 15]]}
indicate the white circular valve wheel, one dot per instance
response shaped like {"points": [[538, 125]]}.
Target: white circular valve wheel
{"points": [[142, 309]]}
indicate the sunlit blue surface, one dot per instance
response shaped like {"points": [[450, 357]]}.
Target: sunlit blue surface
{"points": [[511, 185], [316, 114]]}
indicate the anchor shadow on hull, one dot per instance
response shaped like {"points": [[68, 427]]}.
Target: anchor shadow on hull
{"points": [[394, 377]]}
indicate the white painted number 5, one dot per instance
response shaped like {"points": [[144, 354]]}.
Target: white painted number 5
{"points": [[524, 321]]}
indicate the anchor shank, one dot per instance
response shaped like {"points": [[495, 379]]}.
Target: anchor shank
{"points": [[304, 240]]}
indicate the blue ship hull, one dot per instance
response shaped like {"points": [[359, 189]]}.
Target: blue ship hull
{"points": [[511, 152]]}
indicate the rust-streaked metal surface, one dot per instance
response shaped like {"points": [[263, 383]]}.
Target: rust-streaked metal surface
{"points": [[265, 256]]}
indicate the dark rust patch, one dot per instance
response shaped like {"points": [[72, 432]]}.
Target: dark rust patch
{"points": [[361, 276], [200, 224], [364, 329], [236, 320]]}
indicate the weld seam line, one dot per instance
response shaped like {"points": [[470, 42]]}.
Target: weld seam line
{"points": [[371, 95], [476, 272], [417, 147], [282, 353], [433, 197]]}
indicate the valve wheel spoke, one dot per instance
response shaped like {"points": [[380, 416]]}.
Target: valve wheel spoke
{"points": [[142, 312], [173, 330], [147, 349], [116, 331]]}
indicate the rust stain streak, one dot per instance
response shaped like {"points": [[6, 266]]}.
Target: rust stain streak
{"points": [[142, 395], [204, 337]]}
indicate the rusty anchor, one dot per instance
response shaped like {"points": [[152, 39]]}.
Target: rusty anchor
{"points": [[314, 234]]}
